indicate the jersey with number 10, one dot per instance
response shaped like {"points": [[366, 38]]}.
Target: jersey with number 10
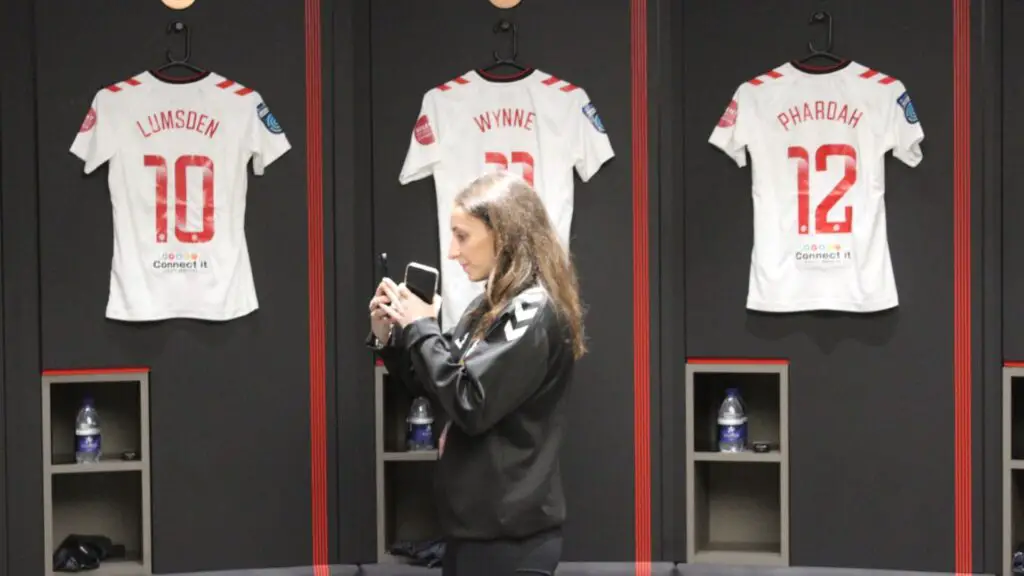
{"points": [[532, 124], [179, 154], [817, 140]]}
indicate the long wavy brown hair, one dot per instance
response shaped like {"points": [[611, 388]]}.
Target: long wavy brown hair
{"points": [[528, 251]]}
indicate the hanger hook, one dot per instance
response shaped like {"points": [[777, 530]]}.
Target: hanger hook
{"points": [[817, 18], [506, 26], [178, 27]]}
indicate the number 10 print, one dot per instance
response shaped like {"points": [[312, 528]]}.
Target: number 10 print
{"points": [[181, 166]]}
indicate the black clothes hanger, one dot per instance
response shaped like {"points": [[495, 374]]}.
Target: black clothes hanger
{"points": [[177, 27], [504, 26], [817, 18]]}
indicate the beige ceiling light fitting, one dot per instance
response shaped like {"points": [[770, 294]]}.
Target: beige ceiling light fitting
{"points": [[505, 3], [178, 4]]}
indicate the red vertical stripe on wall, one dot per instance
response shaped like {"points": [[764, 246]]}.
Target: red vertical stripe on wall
{"points": [[641, 291], [962, 278], [317, 346]]}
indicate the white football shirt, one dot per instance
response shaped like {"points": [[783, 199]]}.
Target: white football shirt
{"points": [[178, 153], [817, 140], [532, 124]]}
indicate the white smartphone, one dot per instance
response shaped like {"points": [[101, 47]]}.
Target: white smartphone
{"points": [[421, 280]]}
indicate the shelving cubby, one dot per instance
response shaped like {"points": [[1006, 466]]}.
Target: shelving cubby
{"points": [[405, 478], [1013, 462], [109, 498], [737, 508]]}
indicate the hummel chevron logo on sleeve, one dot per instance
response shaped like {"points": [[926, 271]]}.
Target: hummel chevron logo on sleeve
{"points": [[523, 311]]}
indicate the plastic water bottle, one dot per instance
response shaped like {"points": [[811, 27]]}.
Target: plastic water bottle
{"points": [[732, 423], [420, 421], [87, 434]]}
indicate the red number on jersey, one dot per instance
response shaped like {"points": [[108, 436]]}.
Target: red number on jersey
{"points": [[822, 225], [525, 159], [181, 166]]}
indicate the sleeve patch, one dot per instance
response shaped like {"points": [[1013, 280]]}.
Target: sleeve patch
{"points": [[423, 132], [89, 122], [728, 118], [908, 108], [268, 119], [590, 111]]}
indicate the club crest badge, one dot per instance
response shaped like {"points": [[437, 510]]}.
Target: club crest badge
{"points": [[728, 118], [423, 132], [908, 108], [590, 111], [89, 122], [268, 119]]}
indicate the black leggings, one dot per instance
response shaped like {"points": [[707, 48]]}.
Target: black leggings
{"points": [[534, 556]]}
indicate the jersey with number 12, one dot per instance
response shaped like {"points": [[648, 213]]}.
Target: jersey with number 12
{"points": [[532, 124], [179, 153], [817, 139]]}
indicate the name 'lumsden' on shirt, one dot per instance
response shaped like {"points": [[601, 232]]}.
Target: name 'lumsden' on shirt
{"points": [[828, 110], [179, 119], [505, 118]]}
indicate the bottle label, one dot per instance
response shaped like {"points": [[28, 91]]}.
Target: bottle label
{"points": [[733, 434], [421, 435], [87, 443]]}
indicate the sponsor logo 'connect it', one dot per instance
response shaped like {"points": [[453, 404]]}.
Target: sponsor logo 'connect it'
{"points": [[268, 119]]}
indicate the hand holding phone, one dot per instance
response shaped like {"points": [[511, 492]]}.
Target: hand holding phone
{"points": [[421, 280], [415, 298]]}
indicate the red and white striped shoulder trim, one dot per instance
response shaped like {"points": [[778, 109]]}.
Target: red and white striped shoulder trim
{"points": [[124, 85], [460, 81], [232, 86], [767, 76], [560, 84], [877, 76]]}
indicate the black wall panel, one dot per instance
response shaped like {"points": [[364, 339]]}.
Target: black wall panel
{"points": [[354, 275], [230, 401], [991, 30], [1013, 176], [18, 225], [3, 403], [866, 391], [417, 45]]}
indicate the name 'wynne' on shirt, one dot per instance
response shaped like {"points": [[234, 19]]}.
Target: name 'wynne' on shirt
{"points": [[505, 118], [818, 110]]}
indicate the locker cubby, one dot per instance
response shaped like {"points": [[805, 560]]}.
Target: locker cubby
{"points": [[738, 511], [737, 503], [761, 400], [406, 511], [1013, 463], [109, 498]]}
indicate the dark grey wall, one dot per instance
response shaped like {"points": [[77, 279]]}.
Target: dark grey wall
{"points": [[871, 396], [212, 384], [419, 44], [21, 288], [1013, 175], [3, 403]]}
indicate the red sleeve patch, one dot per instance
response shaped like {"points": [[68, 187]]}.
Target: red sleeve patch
{"points": [[728, 118], [89, 122], [423, 132]]}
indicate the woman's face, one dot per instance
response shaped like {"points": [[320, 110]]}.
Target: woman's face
{"points": [[472, 245]]}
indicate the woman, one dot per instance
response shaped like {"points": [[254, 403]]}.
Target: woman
{"points": [[502, 377]]}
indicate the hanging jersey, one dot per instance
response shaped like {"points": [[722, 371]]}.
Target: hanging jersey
{"points": [[817, 141], [178, 154], [532, 124]]}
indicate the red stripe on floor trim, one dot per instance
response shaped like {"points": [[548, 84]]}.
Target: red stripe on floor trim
{"points": [[641, 291], [962, 281], [317, 346]]}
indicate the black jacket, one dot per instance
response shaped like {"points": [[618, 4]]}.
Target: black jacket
{"points": [[498, 476]]}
